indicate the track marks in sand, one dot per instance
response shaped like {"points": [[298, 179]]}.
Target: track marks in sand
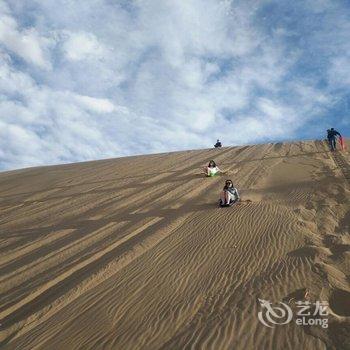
{"points": [[32, 246], [327, 250], [178, 271], [132, 246], [35, 299], [51, 264], [207, 259], [342, 164]]}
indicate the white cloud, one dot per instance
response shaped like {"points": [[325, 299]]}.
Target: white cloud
{"points": [[273, 111], [339, 72], [45, 126], [26, 43], [98, 105], [81, 45]]}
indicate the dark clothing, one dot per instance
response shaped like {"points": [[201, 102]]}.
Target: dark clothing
{"points": [[331, 137], [218, 144], [233, 197], [233, 191], [332, 143], [332, 134]]}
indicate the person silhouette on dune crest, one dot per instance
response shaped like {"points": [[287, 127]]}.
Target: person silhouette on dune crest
{"points": [[218, 144], [332, 138]]}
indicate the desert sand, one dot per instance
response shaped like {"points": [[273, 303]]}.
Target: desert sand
{"points": [[134, 253]]}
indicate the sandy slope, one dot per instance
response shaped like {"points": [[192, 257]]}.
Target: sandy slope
{"points": [[133, 253]]}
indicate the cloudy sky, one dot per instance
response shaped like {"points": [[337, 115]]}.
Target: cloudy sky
{"points": [[92, 79]]}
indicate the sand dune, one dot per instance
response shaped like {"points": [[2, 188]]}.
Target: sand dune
{"points": [[134, 253]]}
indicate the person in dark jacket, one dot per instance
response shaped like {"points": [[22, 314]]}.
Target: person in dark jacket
{"points": [[332, 138], [218, 144], [229, 194]]}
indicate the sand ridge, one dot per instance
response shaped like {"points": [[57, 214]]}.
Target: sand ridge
{"points": [[123, 255]]}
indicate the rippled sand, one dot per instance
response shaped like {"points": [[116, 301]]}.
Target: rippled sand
{"points": [[134, 253]]}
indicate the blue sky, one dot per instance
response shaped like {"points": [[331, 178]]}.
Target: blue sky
{"points": [[92, 79]]}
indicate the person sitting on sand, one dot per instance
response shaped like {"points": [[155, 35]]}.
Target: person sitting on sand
{"points": [[212, 169], [218, 144], [229, 194]]}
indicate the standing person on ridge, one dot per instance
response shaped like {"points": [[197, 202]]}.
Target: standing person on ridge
{"points": [[331, 137]]}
